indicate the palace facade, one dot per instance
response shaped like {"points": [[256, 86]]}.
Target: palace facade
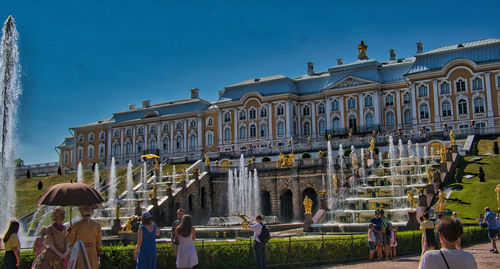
{"points": [[450, 87]]}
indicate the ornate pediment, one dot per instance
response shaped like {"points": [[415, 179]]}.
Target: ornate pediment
{"points": [[349, 82]]}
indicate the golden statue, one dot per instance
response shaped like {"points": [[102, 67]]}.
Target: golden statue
{"points": [[452, 138], [308, 203], [429, 175], [335, 181], [413, 203], [329, 137], [497, 190], [287, 161], [127, 229], [183, 175], [372, 145], [216, 162], [309, 139], [207, 161], [117, 212], [350, 133], [289, 141], [362, 49], [354, 160], [442, 152], [291, 160], [441, 201], [155, 193], [244, 222]]}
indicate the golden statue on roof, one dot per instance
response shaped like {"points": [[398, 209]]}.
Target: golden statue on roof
{"points": [[362, 48]]}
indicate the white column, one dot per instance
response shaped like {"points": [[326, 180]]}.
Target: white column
{"points": [[361, 111], [398, 108], [146, 130], [299, 120], [313, 119], [219, 127], [436, 101], [413, 106], [121, 141], [328, 112], [172, 142], [288, 119], [158, 137], [109, 144], [342, 117], [376, 105], [134, 152], [234, 122], [488, 94], [185, 123], [200, 132], [270, 121]]}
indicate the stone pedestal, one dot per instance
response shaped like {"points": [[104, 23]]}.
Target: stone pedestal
{"points": [[444, 167], [116, 226], [412, 223], [422, 200], [307, 222], [454, 148]]}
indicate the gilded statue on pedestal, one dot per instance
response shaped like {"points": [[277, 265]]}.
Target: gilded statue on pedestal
{"points": [[117, 212], [413, 203], [443, 152], [362, 49], [155, 193], [308, 203], [207, 161], [287, 161], [497, 190], [452, 138], [372, 145], [335, 181], [429, 175], [244, 223], [441, 201], [354, 160]]}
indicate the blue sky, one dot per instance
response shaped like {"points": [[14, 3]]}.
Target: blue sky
{"points": [[84, 60]]}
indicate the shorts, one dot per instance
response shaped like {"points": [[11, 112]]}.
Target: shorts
{"points": [[372, 246], [492, 233], [378, 238], [385, 239]]}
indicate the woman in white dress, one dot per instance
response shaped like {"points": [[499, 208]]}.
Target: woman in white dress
{"points": [[185, 234]]}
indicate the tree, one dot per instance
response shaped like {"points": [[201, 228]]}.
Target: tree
{"points": [[481, 174], [459, 174], [475, 150], [28, 174], [19, 162], [40, 185], [495, 148], [59, 171]]}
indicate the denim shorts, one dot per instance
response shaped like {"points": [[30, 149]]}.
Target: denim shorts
{"points": [[372, 246], [492, 233]]}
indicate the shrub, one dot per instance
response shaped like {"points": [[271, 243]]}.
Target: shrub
{"points": [[347, 152], [459, 174], [323, 154], [265, 159], [495, 148], [481, 174], [474, 149], [306, 155]]}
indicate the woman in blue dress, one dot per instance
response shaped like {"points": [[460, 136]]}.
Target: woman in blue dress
{"points": [[145, 251]]}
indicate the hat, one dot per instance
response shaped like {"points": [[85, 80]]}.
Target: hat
{"points": [[146, 215]]}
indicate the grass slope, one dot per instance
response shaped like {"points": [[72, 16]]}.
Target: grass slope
{"points": [[470, 201]]}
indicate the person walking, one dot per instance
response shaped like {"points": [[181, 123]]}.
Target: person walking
{"points": [[185, 234], [259, 247], [55, 254], [448, 256], [145, 251], [175, 243], [12, 246], [489, 219]]}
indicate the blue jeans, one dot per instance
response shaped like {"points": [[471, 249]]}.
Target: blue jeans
{"points": [[260, 254]]}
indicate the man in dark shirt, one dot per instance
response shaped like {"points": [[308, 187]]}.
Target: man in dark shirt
{"points": [[175, 244]]}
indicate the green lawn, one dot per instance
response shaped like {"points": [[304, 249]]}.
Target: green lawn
{"points": [[471, 200]]}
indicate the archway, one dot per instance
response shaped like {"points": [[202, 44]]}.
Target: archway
{"points": [[202, 198], [286, 206], [190, 203], [311, 193], [265, 203]]}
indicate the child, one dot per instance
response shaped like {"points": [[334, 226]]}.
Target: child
{"points": [[371, 240], [393, 241], [39, 246]]}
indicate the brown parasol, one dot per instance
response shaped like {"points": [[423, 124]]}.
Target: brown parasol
{"points": [[70, 194]]}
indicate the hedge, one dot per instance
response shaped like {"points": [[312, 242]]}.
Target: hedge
{"points": [[304, 251]]}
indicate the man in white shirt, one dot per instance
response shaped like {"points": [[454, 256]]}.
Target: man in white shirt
{"points": [[449, 231], [259, 248]]}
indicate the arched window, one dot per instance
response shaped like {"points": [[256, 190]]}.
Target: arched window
{"points": [[102, 135], [321, 109], [280, 128], [243, 115], [280, 110], [152, 144], [369, 120], [227, 117], [446, 109], [178, 125], [423, 91], [117, 133], [66, 157], [90, 152], [165, 127], [128, 148], [444, 88], [351, 103], [210, 139], [80, 138], [243, 132], [80, 153], [140, 130], [424, 111], [462, 107], [210, 122], [263, 130], [227, 134], [460, 85], [140, 146], [193, 141], [166, 142], [128, 132], [335, 105], [389, 118], [252, 114], [336, 123], [321, 127], [477, 84], [389, 100], [263, 112], [192, 124], [406, 98], [407, 116], [368, 100], [178, 143], [253, 130], [91, 137], [478, 105], [116, 149], [307, 128], [305, 110], [153, 129], [102, 149]]}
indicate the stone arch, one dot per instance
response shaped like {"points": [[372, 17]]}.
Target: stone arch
{"points": [[286, 205], [313, 195], [265, 203], [190, 203], [203, 198]]}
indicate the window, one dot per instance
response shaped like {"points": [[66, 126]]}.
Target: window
{"points": [[178, 143], [480, 125], [243, 132], [140, 130], [369, 120], [335, 105], [321, 127], [153, 129], [424, 111], [166, 142], [295, 128], [140, 146], [463, 126], [305, 110], [389, 118], [227, 134], [210, 122], [460, 84], [280, 110], [351, 103], [280, 128], [80, 138], [307, 128], [263, 112], [193, 141], [192, 124], [294, 111], [423, 91], [117, 133], [91, 137], [498, 81], [263, 130], [336, 123], [102, 135], [462, 107], [243, 115], [253, 130], [210, 139], [252, 114], [116, 149], [91, 152], [128, 148], [80, 153], [407, 116], [445, 88], [478, 105], [152, 144], [321, 109], [368, 100], [477, 84], [128, 132], [389, 100], [101, 150], [406, 98], [227, 117], [165, 127], [66, 157], [446, 109]]}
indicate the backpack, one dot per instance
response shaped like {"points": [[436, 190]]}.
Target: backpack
{"points": [[264, 235]]}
